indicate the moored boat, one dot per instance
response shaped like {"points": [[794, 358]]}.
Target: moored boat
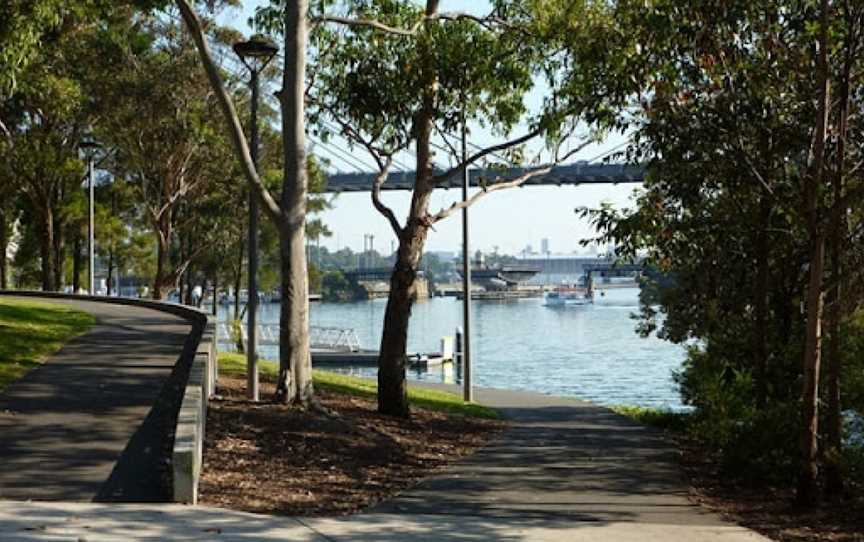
{"points": [[566, 295]]}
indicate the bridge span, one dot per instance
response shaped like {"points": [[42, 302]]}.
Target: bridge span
{"points": [[570, 174]]}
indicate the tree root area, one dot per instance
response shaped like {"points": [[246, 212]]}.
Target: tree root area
{"points": [[271, 458], [771, 510]]}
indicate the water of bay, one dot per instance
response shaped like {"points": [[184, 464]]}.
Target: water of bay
{"points": [[591, 352]]}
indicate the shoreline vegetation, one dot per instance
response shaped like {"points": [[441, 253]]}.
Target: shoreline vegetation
{"points": [[768, 508], [337, 457], [31, 331]]}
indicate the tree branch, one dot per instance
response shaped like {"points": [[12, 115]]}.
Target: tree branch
{"points": [[452, 172], [235, 129], [368, 23], [378, 154], [379, 180], [486, 21], [501, 185]]}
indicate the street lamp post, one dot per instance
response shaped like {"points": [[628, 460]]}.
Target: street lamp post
{"points": [[89, 147], [255, 54], [468, 388]]}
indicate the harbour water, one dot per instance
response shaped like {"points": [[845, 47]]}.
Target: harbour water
{"points": [[591, 352]]}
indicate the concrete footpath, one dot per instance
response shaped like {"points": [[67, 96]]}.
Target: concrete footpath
{"points": [[564, 471], [74, 428]]}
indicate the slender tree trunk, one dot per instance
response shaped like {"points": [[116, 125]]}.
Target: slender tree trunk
{"points": [[163, 235], [47, 250], [808, 477], [295, 362], [833, 367], [77, 262], [238, 277], [59, 254], [161, 263], [4, 248], [110, 283], [834, 356], [392, 388], [215, 294], [760, 337]]}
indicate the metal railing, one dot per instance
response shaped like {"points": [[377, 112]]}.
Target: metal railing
{"points": [[320, 337]]}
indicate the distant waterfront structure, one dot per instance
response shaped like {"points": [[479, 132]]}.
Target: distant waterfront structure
{"points": [[445, 255], [544, 245]]}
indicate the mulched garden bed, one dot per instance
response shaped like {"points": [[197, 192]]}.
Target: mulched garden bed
{"points": [[272, 458], [771, 511]]}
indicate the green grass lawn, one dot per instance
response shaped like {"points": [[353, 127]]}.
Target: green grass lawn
{"points": [[30, 331], [666, 420], [235, 364]]}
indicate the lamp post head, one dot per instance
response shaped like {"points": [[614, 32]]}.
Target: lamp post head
{"points": [[88, 144], [256, 52]]}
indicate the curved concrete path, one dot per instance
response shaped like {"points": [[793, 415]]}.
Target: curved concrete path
{"points": [[565, 471], [74, 428]]}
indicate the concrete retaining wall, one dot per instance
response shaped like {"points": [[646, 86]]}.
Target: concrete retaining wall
{"points": [[188, 454], [201, 354]]}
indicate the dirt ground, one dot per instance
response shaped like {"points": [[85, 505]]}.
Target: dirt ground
{"points": [[771, 511], [271, 458]]}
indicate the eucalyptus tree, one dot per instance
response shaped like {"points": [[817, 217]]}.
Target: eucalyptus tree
{"points": [[396, 77], [287, 210], [162, 127], [427, 77]]}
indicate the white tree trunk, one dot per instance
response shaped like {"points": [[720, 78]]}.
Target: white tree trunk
{"points": [[295, 364]]}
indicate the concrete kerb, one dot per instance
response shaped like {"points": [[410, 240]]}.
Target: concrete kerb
{"points": [[200, 352]]}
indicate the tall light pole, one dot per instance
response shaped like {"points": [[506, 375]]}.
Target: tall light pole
{"points": [[89, 146], [255, 54], [468, 391]]}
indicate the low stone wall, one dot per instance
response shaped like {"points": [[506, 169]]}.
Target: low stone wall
{"points": [[188, 454], [200, 356]]}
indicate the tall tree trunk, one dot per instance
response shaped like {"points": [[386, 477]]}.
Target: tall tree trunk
{"points": [[163, 234], [295, 362], [47, 250], [760, 336], [392, 387], [4, 248], [238, 276], [59, 254], [809, 472], [215, 294], [77, 262], [161, 263], [834, 355], [110, 283]]}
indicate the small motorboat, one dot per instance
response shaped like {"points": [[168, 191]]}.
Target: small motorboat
{"points": [[567, 295]]}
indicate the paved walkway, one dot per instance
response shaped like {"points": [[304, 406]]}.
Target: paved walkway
{"points": [[65, 425], [565, 471]]}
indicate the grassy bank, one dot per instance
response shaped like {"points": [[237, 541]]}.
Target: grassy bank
{"points": [[235, 364], [666, 420], [31, 331]]}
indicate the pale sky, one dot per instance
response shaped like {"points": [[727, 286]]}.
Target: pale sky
{"points": [[509, 220]]}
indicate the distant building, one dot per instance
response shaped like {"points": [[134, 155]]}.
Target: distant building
{"points": [[544, 246], [444, 255]]}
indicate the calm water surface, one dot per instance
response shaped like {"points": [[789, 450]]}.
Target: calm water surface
{"points": [[590, 352]]}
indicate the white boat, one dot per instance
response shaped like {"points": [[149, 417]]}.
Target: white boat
{"points": [[563, 296]]}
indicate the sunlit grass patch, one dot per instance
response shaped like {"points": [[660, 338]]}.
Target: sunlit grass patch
{"points": [[668, 420], [235, 364], [30, 331]]}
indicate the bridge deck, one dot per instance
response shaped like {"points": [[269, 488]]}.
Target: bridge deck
{"points": [[570, 174]]}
